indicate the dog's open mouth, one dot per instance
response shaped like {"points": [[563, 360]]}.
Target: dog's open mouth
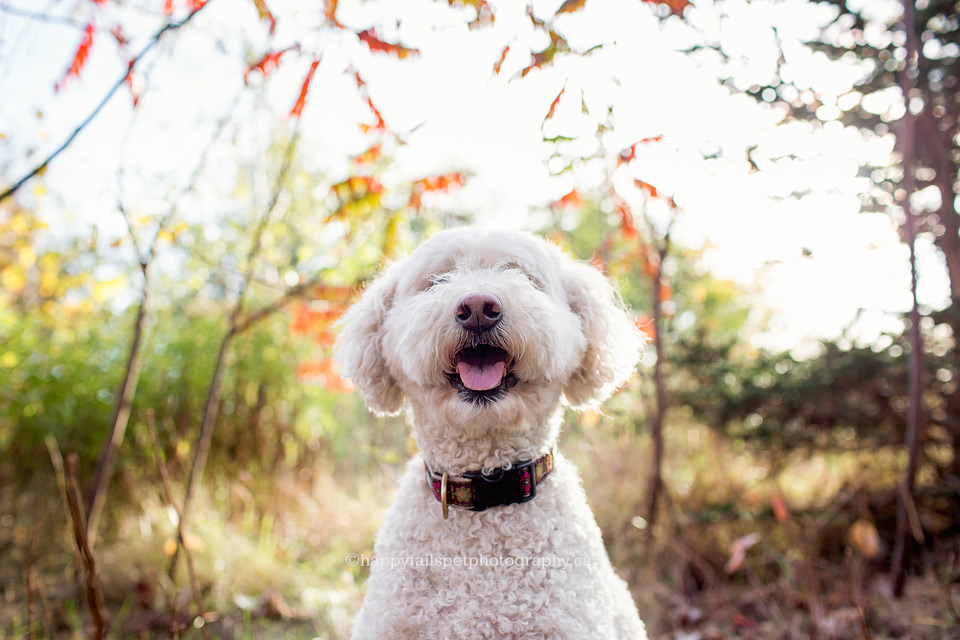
{"points": [[481, 373]]}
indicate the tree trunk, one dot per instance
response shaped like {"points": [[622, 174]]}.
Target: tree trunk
{"points": [[121, 416], [655, 484], [905, 139]]}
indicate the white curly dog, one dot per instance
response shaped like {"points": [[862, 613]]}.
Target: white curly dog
{"points": [[483, 336]]}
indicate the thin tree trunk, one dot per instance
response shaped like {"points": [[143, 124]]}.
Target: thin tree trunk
{"points": [[655, 484], [905, 138], [121, 417]]}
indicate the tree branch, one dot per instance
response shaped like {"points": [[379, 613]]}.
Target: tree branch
{"points": [[41, 17], [170, 26]]}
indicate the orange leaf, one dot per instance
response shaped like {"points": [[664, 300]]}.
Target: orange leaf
{"points": [[570, 201], [370, 155], [553, 105], [266, 14], [330, 13], [80, 57], [376, 45], [780, 510], [666, 292], [441, 183], [645, 324], [863, 537], [648, 189], [307, 320], [499, 63], [627, 226], [302, 98], [195, 5], [570, 6], [676, 6], [323, 371], [168, 7]]}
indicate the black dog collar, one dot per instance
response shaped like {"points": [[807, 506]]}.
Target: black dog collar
{"points": [[477, 491]]}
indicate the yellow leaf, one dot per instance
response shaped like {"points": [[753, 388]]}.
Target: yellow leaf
{"points": [[27, 256], [108, 288], [144, 220], [13, 279], [9, 360], [165, 235]]}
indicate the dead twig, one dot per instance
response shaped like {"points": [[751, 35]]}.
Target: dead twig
{"points": [[31, 577], [94, 593], [168, 497]]}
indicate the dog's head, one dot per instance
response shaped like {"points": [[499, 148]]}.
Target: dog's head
{"points": [[487, 327]]}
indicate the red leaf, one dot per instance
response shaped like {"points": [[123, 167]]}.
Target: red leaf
{"points": [[553, 105], [570, 201], [499, 63], [741, 620], [100, 2], [118, 35], [570, 6], [135, 84], [266, 64], [80, 57], [266, 14], [630, 153], [168, 7], [380, 125], [195, 5], [302, 98], [376, 45]]}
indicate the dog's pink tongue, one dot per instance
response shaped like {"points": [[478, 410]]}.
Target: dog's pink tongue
{"points": [[481, 377]]}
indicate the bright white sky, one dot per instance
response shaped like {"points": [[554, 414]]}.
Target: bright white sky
{"points": [[464, 118]]}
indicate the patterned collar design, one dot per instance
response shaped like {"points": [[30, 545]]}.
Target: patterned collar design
{"points": [[477, 492]]}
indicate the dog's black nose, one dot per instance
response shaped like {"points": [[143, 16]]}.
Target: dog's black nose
{"points": [[479, 312]]}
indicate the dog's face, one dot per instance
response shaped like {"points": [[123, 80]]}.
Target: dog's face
{"points": [[487, 328]]}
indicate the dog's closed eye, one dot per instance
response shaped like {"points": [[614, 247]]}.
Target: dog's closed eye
{"points": [[437, 279]]}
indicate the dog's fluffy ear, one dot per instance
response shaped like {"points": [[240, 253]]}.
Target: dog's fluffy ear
{"points": [[359, 348], [613, 340]]}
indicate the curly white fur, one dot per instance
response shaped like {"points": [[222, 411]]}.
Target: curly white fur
{"points": [[568, 340]]}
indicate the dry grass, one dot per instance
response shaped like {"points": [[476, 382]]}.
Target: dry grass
{"points": [[270, 552]]}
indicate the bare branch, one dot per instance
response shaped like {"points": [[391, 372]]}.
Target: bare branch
{"points": [[168, 497], [170, 26], [41, 17], [94, 593]]}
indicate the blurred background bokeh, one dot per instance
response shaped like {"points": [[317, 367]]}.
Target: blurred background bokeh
{"points": [[192, 192]]}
